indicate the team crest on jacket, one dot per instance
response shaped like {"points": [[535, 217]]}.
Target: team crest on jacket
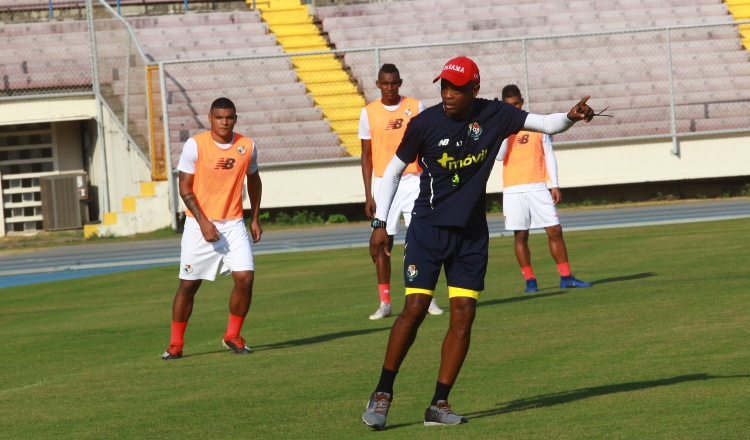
{"points": [[407, 112], [475, 131], [241, 150], [412, 271]]}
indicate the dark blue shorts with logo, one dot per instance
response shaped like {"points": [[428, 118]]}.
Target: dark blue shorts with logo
{"points": [[462, 251]]}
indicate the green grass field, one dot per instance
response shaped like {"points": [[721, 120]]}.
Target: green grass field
{"points": [[658, 348]]}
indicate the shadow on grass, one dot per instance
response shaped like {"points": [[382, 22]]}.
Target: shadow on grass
{"points": [[513, 299], [205, 353], [547, 400], [318, 339], [636, 276]]}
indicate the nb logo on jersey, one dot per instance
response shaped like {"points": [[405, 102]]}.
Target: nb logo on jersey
{"points": [[522, 139], [443, 142], [394, 124], [225, 164]]}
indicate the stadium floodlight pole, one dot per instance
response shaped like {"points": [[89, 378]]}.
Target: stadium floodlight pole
{"points": [[672, 117], [173, 204]]}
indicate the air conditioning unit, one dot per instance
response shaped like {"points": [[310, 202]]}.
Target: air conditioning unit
{"points": [[64, 199]]}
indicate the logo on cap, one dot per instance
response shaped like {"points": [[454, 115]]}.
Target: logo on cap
{"points": [[459, 71]]}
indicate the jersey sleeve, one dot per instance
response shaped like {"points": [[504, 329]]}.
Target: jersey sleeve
{"points": [[411, 143], [189, 157], [252, 166], [510, 118], [364, 125]]}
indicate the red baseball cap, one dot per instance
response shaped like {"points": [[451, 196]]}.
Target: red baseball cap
{"points": [[459, 71]]}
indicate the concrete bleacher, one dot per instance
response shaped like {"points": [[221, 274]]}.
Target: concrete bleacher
{"points": [[270, 86], [45, 58], [626, 71]]}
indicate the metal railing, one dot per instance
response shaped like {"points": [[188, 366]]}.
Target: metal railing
{"points": [[660, 83]]}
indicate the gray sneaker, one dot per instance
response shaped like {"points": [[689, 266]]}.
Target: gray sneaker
{"points": [[441, 414], [383, 311], [377, 410]]}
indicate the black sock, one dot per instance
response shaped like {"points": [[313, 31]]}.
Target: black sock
{"points": [[387, 377], [441, 392]]}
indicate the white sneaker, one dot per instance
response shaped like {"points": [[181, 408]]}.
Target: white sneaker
{"points": [[383, 311], [434, 309]]}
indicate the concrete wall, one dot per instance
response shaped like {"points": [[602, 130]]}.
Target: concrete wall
{"points": [[125, 169], [610, 164]]}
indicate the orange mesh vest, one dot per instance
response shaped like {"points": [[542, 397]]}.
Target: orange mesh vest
{"points": [[386, 130], [524, 161], [220, 175]]}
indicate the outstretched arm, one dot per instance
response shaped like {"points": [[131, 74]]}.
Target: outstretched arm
{"points": [[559, 122]]}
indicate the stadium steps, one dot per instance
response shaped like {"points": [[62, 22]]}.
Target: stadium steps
{"points": [[143, 213], [323, 75], [740, 9]]}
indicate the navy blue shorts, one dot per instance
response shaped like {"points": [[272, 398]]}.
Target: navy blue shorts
{"points": [[463, 253]]}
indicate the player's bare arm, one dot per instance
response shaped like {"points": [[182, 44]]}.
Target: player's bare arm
{"points": [[254, 192], [556, 195], [367, 176], [208, 229]]}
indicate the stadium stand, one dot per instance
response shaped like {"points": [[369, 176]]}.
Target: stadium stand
{"points": [[740, 9], [325, 78], [710, 68], [45, 56], [275, 108]]}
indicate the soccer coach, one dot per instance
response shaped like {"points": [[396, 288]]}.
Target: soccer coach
{"points": [[456, 143]]}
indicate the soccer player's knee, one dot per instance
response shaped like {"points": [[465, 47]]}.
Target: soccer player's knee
{"points": [[244, 279]]}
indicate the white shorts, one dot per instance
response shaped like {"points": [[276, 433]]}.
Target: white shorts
{"points": [[529, 210], [200, 260], [403, 202]]}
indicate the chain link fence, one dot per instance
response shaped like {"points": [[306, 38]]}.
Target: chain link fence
{"points": [[44, 58], [658, 83], [121, 69]]}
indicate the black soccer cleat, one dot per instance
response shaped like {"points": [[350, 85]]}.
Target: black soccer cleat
{"points": [[237, 344], [174, 352]]}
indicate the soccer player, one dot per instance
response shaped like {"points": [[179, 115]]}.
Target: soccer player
{"points": [[528, 162], [381, 127], [212, 169], [456, 143]]}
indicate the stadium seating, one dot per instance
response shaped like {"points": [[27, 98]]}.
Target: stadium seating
{"points": [[273, 105], [626, 71]]}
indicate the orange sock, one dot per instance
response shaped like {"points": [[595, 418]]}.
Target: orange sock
{"points": [[385, 293], [564, 269], [528, 273], [178, 333], [234, 327]]}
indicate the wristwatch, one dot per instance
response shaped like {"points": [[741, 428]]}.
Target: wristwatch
{"points": [[377, 224]]}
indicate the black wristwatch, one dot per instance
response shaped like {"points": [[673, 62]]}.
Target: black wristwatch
{"points": [[377, 224]]}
